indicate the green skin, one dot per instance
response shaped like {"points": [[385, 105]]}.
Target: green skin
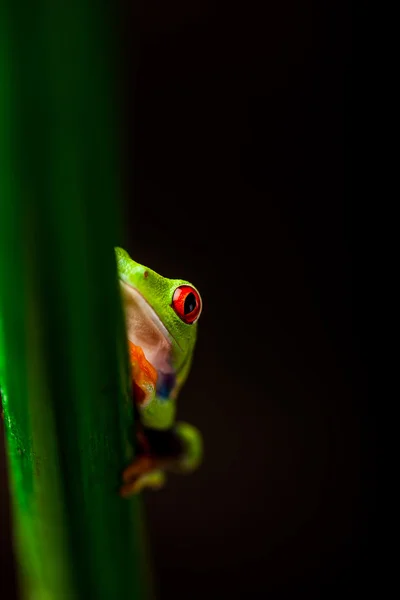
{"points": [[168, 343]]}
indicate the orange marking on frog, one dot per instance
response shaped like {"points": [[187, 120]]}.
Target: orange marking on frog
{"points": [[144, 375]]}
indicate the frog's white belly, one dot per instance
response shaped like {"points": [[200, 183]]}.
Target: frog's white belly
{"points": [[145, 329]]}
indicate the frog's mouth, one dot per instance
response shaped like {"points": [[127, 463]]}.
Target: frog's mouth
{"points": [[145, 329]]}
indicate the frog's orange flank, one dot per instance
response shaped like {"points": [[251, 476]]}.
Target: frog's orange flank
{"points": [[144, 375]]}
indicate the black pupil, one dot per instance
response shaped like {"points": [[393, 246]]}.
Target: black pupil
{"points": [[190, 303]]}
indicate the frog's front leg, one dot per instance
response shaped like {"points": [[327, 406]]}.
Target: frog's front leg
{"points": [[178, 450], [192, 448]]}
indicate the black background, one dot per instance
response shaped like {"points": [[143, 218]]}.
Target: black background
{"points": [[237, 154]]}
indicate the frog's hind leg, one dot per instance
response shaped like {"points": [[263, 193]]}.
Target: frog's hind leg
{"points": [[154, 480], [178, 450], [144, 472]]}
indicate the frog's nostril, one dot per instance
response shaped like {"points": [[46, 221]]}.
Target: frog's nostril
{"points": [[145, 274]]}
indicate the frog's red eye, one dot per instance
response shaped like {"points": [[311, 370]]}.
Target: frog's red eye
{"points": [[186, 302]]}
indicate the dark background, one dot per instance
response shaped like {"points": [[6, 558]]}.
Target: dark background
{"points": [[237, 148]]}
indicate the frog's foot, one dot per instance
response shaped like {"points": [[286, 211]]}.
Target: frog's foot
{"points": [[144, 471], [178, 451], [142, 465], [154, 480]]}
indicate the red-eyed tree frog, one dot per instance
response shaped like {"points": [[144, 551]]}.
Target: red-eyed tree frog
{"points": [[161, 322]]}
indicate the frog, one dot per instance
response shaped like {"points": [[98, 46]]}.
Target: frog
{"points": [[161, 318]]}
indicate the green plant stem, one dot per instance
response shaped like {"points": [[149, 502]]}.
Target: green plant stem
{"points": [[63, 362]]}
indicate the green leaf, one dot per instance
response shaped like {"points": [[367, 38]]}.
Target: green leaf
{"points": [[64, 370]]}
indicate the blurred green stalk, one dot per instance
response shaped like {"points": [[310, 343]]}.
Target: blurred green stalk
{"points": [[63, 362]]}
